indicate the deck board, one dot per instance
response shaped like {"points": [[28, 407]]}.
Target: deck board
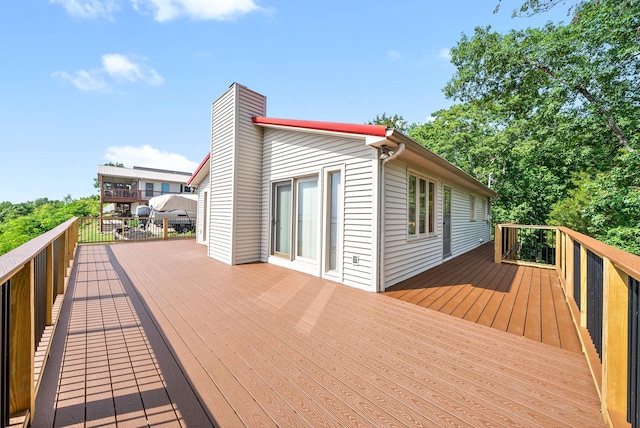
{"points": [[259, 345], [522, 300]]}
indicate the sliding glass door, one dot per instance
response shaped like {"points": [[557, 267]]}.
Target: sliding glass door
{"points": [[295, 221]]}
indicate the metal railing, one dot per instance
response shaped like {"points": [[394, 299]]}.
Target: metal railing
{"points": [[32, 276], [601, 286], [93, 230]]}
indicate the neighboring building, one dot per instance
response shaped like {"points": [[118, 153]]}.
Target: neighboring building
{"points": [[362, 205], [123, 189]]}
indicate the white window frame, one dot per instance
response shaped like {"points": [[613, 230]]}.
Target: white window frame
{"points": [[326, 271], [429, 214], [293, 245], [472, 207]]}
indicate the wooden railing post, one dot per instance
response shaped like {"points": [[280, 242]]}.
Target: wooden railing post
{"points": [[22, 352], [614, 342], [570, 268], [165, 228], [497, 239], [50, 284], [61, 266]]}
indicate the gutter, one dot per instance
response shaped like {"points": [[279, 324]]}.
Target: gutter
{"points": [[381, 208]]}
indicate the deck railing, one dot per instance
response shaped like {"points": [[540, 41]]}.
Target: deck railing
{"points": [[33, 279], [601, 284], [133, 195], [118, 229]]}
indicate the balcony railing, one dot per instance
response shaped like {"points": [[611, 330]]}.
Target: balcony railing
{"points": [[33, 279], [601, 284], [129, 195]]}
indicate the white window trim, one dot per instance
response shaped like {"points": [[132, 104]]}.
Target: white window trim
{"points": [[304, 264], [427, 233], [338, 273], [473, 215]]}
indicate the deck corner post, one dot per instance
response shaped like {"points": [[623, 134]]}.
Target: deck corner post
{"points": [[497, 240], [614, 340], [570, 268]]}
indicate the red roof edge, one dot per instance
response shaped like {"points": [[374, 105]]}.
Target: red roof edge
{"points": [[347, 128], [199, 168]]}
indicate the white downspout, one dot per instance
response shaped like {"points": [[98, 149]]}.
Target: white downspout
{"points": [[381, 265]]}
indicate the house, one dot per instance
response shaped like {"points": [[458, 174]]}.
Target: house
{"points": [[123, 189], [363, 205]]}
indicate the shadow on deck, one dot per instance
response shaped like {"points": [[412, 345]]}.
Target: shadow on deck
{"points": [[156, 333]]}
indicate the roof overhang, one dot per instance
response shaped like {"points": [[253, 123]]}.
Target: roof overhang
{"points": [[417, 155], [346, 129], [201, 172]]}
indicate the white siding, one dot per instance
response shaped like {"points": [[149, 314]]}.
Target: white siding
{"points": [[465, 233], [202, 189], [248, 173], [405, 257], [221, 174], [290, 154]]}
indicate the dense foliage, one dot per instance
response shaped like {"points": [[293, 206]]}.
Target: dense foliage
{"points": [[22, 222], [550, 115]]}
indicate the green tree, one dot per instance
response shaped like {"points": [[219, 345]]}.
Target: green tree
{"points": [[394, 121], [552, 115], [30, 219]]}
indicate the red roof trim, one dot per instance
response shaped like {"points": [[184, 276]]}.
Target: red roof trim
{"points": [[347, 128], [198, 169]]}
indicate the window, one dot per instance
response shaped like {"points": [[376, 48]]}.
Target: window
{"points": [[472, 207], [333, 200], [421, 209], [484, 209], [148, 190]]}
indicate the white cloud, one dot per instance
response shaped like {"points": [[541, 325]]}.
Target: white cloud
{"points": [[89, 9], [149, 157], [122, 67], [88, 81], [166, 10], [394, 55], [119, 67], [445, 53]]}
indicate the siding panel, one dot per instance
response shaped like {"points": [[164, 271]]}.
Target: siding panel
{"points": [[248, 161], [222, 164]]}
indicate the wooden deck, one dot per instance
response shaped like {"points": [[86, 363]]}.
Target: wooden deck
{"points": [[522, 300], [157, 334]]}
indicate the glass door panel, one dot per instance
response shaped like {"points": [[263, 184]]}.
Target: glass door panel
{"points": [[334, 188], [282, 219], [307, 219]]}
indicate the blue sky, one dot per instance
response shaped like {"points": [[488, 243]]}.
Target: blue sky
{"points": [[85, 82]]}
